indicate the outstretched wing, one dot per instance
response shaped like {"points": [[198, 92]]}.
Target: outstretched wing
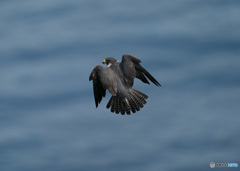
{"points": [[98, 89], [102, 80], [132, 68]]}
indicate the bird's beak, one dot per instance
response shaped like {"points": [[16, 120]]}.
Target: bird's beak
{"points": [[104, 62]]}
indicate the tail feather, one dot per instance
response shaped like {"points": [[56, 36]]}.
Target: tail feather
{"points": [[110, 102], [131, 104], [140, 93], [122, 107], [138, 104], [127, 107], [134, 104], [127, 102], [113, 104], [140, 96], [117, 105]]}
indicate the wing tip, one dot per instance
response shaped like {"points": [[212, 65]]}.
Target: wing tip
{"points": [[158, 84]]}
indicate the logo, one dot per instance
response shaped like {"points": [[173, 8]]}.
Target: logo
{"points": [[212, 164]]}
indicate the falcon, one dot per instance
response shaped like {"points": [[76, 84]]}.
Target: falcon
{"points": [[118, 78]]}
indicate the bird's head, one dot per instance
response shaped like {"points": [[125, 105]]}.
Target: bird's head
{"points": [[109, 61]]}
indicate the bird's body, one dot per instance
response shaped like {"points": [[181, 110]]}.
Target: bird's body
{"points": [[118, 78]]}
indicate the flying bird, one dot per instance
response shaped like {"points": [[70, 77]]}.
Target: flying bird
{"points": [[118, 78]]}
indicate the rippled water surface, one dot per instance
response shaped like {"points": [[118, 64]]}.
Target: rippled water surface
{"points": [[48, 119]]}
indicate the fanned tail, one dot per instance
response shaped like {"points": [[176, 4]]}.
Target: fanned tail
{"points": [[130, 101]]}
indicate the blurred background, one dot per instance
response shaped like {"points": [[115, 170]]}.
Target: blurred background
{"points": [[48, 119]]}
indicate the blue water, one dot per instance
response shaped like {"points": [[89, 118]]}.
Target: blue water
{"points": [[48, 119]]}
